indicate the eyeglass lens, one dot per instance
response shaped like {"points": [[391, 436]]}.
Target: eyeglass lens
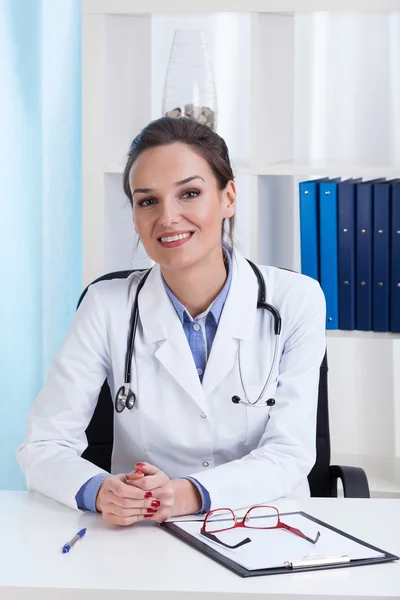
{"points": [[257, 518], [262, 517]]}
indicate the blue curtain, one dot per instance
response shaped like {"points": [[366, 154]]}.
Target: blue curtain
{"points": [[40, 203]]}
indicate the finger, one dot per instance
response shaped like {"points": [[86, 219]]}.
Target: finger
{"points": [[129, 512], [164, 495], [150, 482], [134, 475], [159, 516], [116, 520], [147, 483], [124, 502], [162, 498], [146, 468], [123, 490]]}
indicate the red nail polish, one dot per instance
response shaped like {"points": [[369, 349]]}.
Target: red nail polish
{"points": [[148, 495], [151, 510], [140, 472], [147, 516], [156, 503], [140, 464]]}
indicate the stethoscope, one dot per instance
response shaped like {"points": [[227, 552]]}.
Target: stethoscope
{"points": [[126, 398]]}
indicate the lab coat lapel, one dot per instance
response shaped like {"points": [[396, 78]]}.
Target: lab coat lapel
{"points": [[236, 323], [177, 358], [161, 324]]}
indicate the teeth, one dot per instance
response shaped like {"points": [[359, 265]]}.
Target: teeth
{"points": [[175, 238]]}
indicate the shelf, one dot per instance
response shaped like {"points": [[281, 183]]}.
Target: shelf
{"points": [[362, 335], [238, 169], [323, 169], [277, 6], [383, 473], [327, 168]]}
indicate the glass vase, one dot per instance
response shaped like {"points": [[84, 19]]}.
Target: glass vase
{"points": [[189, 88]]}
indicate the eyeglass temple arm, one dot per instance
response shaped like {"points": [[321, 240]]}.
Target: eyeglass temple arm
{"points": [[214, 538], [300, 533]]}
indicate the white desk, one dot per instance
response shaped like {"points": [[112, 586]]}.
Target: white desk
{"points": [[144, 562]]}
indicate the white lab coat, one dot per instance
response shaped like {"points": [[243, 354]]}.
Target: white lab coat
{"points": [[242, 455]]}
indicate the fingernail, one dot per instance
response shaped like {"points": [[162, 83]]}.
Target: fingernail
{"points": [[140, 464], [151, 510], [139, 472], [147, 516], [148, 495], [156, 503]]}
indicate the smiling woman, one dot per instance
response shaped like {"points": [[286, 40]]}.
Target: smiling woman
{"points": [[179, 181], [202, 343], [199, 139]]}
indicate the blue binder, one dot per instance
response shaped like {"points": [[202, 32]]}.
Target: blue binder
{"points": [[395, 260], [309, 234], [381, 257], [328, 250], [364, 238], [346, 253]]}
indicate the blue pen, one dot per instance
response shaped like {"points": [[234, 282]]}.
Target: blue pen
{"points": [[69, 545]]}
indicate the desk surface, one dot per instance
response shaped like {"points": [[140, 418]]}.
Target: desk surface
{"points": [[144, 562]]}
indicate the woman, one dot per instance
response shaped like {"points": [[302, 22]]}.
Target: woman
{"points": [[192, 441]]}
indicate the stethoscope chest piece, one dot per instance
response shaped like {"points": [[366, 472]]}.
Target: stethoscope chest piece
{"points": [[124, 400]]}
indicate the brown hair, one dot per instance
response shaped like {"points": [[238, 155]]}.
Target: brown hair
{"points": [[201, 138]]}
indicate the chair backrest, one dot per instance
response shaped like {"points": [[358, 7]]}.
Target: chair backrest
{"points": [[100, 431]]}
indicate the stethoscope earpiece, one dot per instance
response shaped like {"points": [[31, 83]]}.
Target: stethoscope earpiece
{"points": [[237, 400]]}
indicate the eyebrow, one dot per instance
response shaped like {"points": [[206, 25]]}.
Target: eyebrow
{"points": [[178, 183]]}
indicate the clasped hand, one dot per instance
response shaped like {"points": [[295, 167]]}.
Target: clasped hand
{"points": [[145, 493]]}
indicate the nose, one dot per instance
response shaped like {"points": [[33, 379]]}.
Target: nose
{"points": [[169, 214]]}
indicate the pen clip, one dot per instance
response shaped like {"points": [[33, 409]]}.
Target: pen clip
{"points": [[317, 561]]}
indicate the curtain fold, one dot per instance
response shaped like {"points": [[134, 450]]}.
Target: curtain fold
{"points": [[40, 202]]}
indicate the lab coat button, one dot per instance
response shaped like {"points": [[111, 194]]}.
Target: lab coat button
{"points": [[196, 326], [200, 371], [203, 415], [205, 464]]}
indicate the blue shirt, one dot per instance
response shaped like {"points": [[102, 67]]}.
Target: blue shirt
{"points": [[200, 333]]}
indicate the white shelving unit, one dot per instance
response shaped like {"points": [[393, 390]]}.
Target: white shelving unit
{"points": [[125, 46], [134, 7], [324, 169]]}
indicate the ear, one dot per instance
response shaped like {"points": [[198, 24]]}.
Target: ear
{"points": [[229, 200]]}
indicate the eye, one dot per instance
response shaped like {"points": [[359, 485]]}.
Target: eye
{"points": [[191, 194], [146, 202]]}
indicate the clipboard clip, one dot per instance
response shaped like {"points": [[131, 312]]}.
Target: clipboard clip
{"points": [[315, 560]]}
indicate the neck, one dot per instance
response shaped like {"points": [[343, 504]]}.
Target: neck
{"points": [[197, 286]]}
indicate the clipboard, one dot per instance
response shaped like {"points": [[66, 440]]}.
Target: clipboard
{"points": [[294, 564]]}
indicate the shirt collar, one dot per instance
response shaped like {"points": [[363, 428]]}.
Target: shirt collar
{"points": [[215, 308]]}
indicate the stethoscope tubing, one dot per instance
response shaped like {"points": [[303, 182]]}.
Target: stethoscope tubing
{"points": [[125, 398], [132, 331]]}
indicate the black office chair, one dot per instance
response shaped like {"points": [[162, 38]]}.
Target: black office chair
{"points": [[323, 478]]}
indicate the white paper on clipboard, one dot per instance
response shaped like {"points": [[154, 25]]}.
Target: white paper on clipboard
{"points": [[273, 548]]}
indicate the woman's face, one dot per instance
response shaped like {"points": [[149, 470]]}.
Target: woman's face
{"points": [[178, 209]]}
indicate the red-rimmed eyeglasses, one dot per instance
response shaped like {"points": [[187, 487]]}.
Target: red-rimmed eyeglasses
{"points": [[257, 517]]}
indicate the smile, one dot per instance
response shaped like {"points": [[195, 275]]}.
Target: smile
{"points": [[172, 241], [175, 238]]}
